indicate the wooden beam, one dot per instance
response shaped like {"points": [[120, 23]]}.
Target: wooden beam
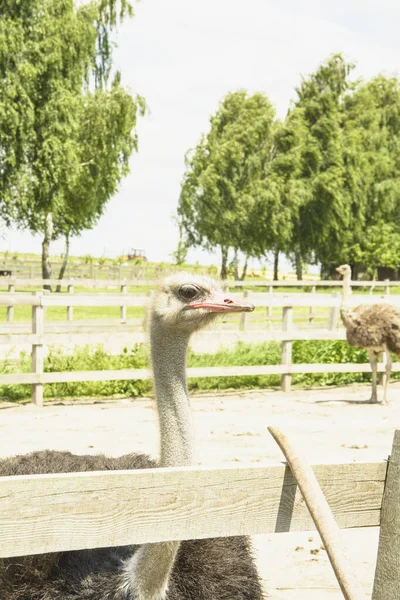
{"points": [[286, 352], [49, 513], [387, 575], [37, 351], [126, 374]]}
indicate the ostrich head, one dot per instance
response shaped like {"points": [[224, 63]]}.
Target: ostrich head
{"points": [[344, 270], [190, 302]]}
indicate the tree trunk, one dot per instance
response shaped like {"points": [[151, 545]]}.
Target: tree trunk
{"points": [[299, 266], [235, 264], [224, 262], [276, 265], [244, 271], [65, 262], [46, 266]]}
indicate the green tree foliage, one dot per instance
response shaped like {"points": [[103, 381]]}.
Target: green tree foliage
{"points": [[372, 142], [224, 202], [65, 137], [337, 157], [310, 164]]}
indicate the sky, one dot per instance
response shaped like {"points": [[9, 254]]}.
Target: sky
{"points": [[183, 56]]}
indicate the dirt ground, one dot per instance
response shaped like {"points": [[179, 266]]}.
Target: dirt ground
{"points": [[333, 425]]}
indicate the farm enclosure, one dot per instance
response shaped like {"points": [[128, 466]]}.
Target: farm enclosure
{"points": [[231, 430], [278, 317]]}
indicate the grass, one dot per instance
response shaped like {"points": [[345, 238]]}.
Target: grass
{"points": [[242, 354]]}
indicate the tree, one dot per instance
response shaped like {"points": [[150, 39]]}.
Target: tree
{"points": [[290, 172], [372, 142], [310, 166], [224, 201], [65, 140]]}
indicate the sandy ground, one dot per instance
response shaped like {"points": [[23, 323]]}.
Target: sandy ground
{"points": [[333, 425]]}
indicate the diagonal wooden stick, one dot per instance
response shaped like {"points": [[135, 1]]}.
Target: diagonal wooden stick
{"points": [[322, 516]]}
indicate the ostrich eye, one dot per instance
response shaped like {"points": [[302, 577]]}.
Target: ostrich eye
{"points": [[188, 292]]}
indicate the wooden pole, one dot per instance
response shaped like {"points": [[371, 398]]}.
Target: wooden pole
{"points": [[387, 287], [387, 574], [38, 350], [123, 290], [286, 356], [10, 309], [269, 307], [334, 314], [70, 309], [312, 308], [243, 315], [146, 319], [322, 517]]}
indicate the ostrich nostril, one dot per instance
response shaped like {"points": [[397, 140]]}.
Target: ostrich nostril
{"points": [[228, 301]]}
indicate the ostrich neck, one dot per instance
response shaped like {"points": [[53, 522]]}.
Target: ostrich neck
{"points": [[346, 312], [346, 289], [168, 354], [147, 572]]}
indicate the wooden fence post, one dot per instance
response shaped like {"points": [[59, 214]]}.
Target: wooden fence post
{"points": [[123, 308], [146, 319], [311, 316], [243, 315], [70, 309], [286, 357], [387, 574], [38, 349], [269, 307], [334, 314], [387, 287], [10, 309]]}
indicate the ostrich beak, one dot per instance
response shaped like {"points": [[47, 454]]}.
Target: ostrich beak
{"points": [[219, 303]]}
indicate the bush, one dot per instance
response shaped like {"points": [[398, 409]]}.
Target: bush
{"points": [[268, 353]]}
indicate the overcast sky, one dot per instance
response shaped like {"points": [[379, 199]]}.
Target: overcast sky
{"points": [[183, 56]]}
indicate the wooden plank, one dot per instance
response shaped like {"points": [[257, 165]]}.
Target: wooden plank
{"points": [[81, 281], [10, 309], [243, 315], [334, 313], [88, 510], [107, 282], [123, 290], [133, 374], [59, 334], [286, 353], [37, 352], [18, 299], [94, 300], [387, 575], [312, 311], [261, 299], [70, 310]]}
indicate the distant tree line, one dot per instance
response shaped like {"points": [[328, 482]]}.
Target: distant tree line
{"points": [[321, 187], [67, 125]]}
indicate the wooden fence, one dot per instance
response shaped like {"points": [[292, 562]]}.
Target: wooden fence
{"points": [[38, 338], [196, 503], [16, 283]]}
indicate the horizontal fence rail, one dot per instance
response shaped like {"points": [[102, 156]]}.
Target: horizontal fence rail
{"points": [[20, 282], [50, 513], [43, 334], [257, 298]]}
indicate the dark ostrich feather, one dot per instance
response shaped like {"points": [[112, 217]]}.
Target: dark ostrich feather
{"points": [[211, 569]]}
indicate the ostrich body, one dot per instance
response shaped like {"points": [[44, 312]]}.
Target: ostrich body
{"points": [[212, 569], [375, 327]]}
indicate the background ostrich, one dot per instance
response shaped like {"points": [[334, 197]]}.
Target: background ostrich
{"points": [[217, 569], [375, 327]]}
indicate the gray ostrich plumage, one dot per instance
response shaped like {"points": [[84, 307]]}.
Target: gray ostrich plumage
{"points": [[211, 569], [375, 327]]}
